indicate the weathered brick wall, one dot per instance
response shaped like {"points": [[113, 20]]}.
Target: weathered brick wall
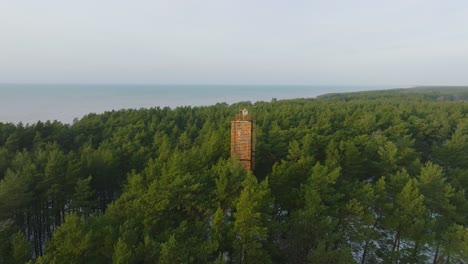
{"points": [[241, 142]]}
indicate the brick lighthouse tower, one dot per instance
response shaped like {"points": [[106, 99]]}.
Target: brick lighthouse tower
{"points": [[242, 139]]}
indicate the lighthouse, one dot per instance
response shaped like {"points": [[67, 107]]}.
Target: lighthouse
{"points": [[242, 139]]}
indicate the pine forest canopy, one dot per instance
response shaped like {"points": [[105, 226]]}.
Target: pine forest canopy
{"points": [[368, 177]]}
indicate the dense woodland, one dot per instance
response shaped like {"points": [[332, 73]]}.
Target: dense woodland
{"points": [[370, 177]]}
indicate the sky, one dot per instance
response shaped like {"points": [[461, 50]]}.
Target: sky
{"points": [[358, 42]]}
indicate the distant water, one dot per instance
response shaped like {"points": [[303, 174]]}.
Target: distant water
{"points": [[29, 103]]}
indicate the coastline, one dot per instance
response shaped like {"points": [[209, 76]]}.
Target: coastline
{"points": [[29, 103]]}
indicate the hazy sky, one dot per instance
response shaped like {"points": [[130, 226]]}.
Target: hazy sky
{"points": [[359, 42]]}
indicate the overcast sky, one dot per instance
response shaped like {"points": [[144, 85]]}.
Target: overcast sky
{"points": [[348, 42]]}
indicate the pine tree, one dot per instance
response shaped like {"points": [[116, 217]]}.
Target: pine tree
{"points": [[409, 218], [171, 253], [122, 253], [455, 244], [315, 225], [71, 242], [83, 198], [21, 248], [250, 226], [220, 232]]}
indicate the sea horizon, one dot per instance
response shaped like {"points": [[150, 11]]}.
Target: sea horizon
{"points": [[31, 102]]}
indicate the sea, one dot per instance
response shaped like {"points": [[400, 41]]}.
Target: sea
{"points": [[29, 103]]}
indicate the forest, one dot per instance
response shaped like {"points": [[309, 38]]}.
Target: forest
{"points": [[366, 177]]}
